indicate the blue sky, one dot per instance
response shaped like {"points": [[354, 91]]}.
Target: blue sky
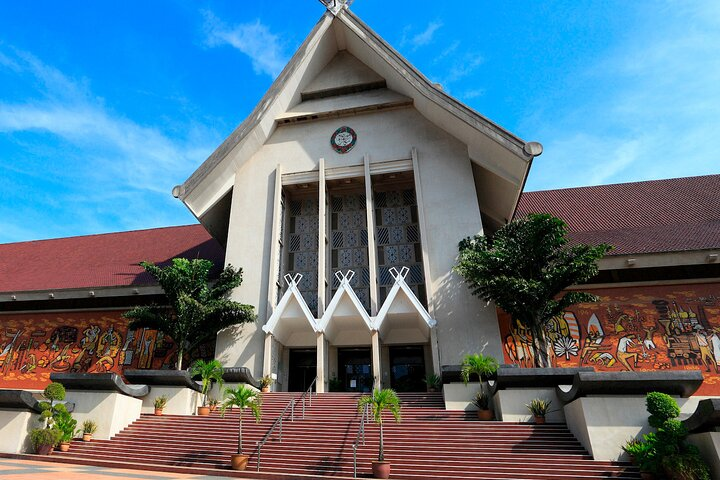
{"points": [[104, 106]]}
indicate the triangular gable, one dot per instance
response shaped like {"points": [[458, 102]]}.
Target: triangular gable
{"points": [[490, 146], [402, 312], [345, 321], [292, 323]]}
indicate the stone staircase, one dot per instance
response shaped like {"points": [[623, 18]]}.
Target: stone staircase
{"points": [[429, 443]]}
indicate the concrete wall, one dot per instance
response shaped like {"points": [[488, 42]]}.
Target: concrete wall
{"points": [[111, 411], [603, 424], [181, 400], [465, 324], [15, 426], [511, 404]]}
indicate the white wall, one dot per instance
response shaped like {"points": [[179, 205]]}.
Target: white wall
{"points": [[465, 324]]}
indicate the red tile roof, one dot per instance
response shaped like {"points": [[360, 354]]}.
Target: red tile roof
{"points": [[674, 215], [107, 260]]}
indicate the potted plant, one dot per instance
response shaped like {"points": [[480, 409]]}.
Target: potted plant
{"points": [[539, 408], [265, 383], [45, 439], [50, 408], [482, 402], [160, 403], [379, 401], [478, 364], [89, 427], [209, 372], [241, 397], [65, 424], [433, 382], [213, 403]]}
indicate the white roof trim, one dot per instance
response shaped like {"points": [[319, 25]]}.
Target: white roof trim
{"points": [[345, 289], [400, 284], [291, 293]]}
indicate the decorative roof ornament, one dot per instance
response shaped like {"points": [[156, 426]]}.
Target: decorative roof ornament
{"points": [[334, 6]]}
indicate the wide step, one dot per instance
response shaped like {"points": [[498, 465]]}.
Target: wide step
{"points": [[429, 443]]}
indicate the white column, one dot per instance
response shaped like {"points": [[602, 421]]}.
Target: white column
{"points": [[322, 238], [273, 274], [376, 366], [372, 250], [426, 260], [267, 354], [321, 363]]}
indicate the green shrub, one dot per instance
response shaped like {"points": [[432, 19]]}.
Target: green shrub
{"points": [[661, 407], [54, 392], [65, 424], [539, 407], [89, 426], [44, 436], [686, 466]]}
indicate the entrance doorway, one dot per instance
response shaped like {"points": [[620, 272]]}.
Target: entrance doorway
{"points": [[303, 369], [407, 368], [355, 370]]}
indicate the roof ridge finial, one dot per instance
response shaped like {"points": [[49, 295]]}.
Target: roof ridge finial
{"points": [[334, 6]]}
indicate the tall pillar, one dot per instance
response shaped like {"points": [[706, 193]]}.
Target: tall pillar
{"points": [[376, 366], [267, 354], [321, 363]]}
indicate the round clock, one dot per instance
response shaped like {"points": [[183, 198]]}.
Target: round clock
{"points": [[343, 140]]}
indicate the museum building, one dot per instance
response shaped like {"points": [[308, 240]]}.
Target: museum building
{"points": [[343, 197]]}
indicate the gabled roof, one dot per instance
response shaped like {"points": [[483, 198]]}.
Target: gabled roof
{"points": [[500, 153], [345, 314], [292, 321], [402, 311], [106, 260], [674, 215]]}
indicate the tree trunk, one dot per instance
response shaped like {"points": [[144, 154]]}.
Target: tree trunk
{"points": [[381, 454], [240, 435], [540, 347], [179, 357]]}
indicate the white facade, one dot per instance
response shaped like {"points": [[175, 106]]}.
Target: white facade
{"points": [[458, 173]]}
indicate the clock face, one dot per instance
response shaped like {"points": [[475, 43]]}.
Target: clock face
{"points": [[343, 140]]}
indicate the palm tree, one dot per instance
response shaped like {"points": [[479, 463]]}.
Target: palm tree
{"points": [[379, 401], [195, 310], [242, 397], [479, 364], [209, 372]]}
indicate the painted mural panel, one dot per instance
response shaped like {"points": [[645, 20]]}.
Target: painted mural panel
{"points": [[639, 328], [33, 345]]}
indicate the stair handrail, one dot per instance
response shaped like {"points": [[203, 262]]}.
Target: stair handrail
{"points": [[279, 421], [360, 437], [307, 393]]}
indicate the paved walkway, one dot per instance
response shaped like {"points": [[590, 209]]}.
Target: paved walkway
{"points": [[12, 469]]}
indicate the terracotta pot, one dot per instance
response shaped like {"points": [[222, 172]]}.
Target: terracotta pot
{"points": [[64, 446], [203, 411], [239, 462], [87, 437], [485, 415], [265, 389], [381, 469], [539, 420], [158, 411], [45, 450]]}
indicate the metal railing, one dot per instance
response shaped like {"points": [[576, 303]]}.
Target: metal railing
{"points": [[360, 437], [279, 421]]}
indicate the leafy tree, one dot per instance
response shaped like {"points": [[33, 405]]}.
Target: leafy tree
{"points": [[379, 401], [196, 310], [525, 268], [209, 372]]}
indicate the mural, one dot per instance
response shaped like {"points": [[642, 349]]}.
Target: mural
{"points": [[639, 328], [33, 345]]}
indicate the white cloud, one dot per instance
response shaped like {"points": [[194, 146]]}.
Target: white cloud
{"points": [[107, 171], [420, 39], [648, 109], [255, 40]]}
